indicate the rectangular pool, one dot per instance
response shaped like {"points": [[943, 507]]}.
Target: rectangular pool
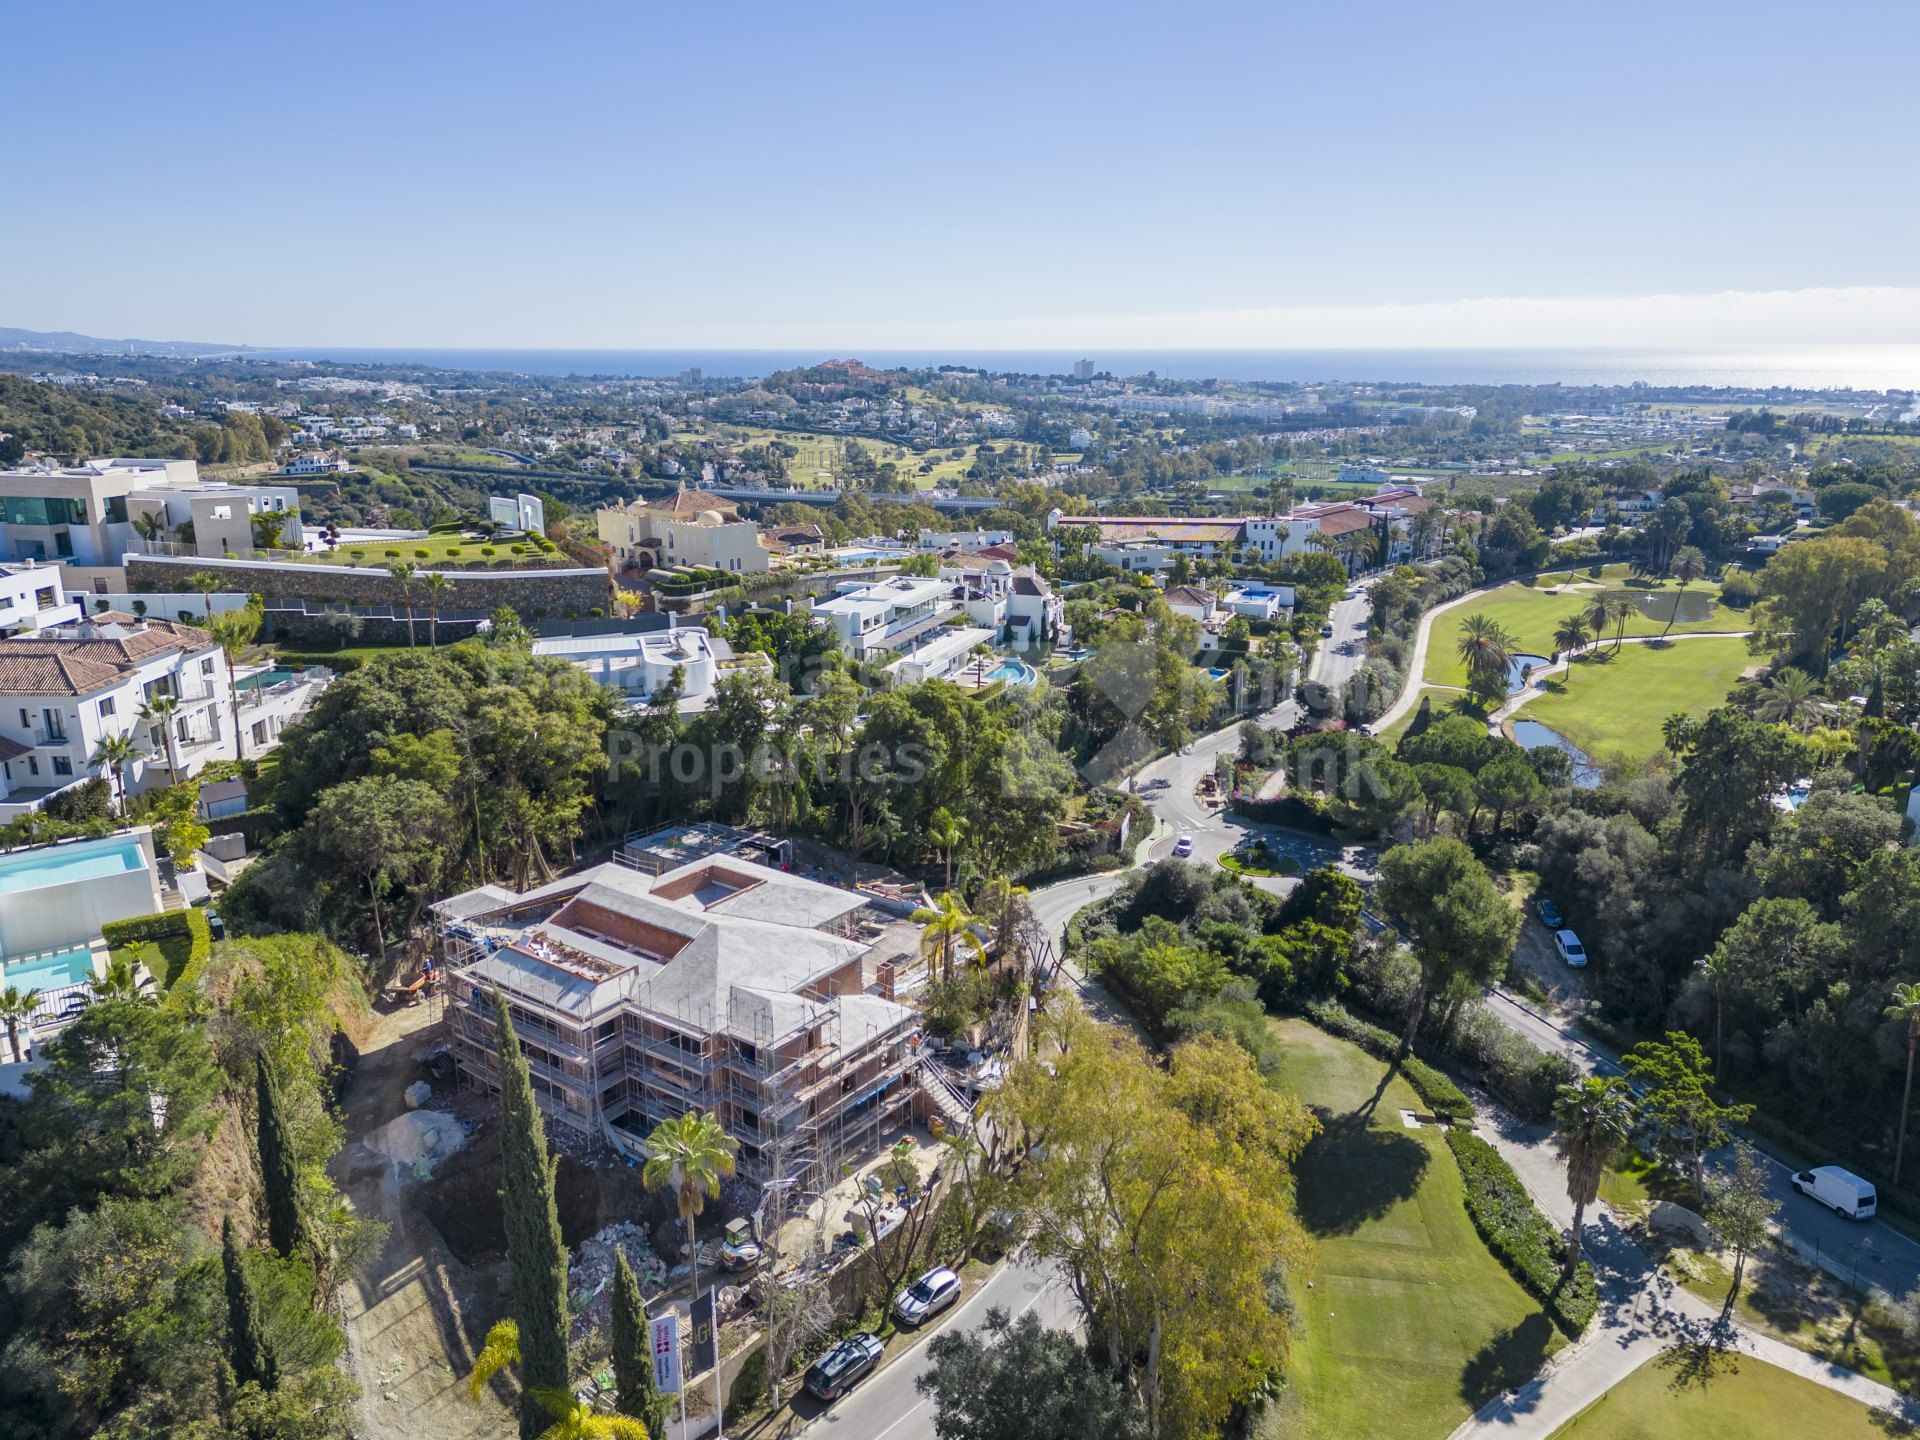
{"points": [[64, 864], [49, 972]]}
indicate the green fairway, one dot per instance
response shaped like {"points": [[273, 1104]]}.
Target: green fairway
{"points": [[1614, 703], [1530, 613], [1723, 1398], [1411, 1324]]}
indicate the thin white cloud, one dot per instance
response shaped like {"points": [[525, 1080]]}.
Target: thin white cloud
{"points": [[1850, 315]]}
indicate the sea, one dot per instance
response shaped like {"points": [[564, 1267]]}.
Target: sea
{"points": [[1798, 367]]}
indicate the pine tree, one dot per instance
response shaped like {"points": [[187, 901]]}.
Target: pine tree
{"points": [[633, 1352], [536, 1255], [252, 1353], [279, 1174]]}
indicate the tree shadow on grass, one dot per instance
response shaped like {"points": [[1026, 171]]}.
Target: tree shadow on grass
{"points": [[1696, 1364], [1353, 1172], [1508, 1361]]}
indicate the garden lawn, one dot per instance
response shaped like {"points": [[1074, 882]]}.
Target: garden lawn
{"points": [[1737, 1398], [453, 550], [1614, 703], [1531, 614], [1411, 1324]]}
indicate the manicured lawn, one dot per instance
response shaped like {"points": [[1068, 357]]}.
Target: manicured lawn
{"points": [[1446, 701], [1411, 1324], [441, 550], [1613, 704], [1532, 613], [1731, 1398]]}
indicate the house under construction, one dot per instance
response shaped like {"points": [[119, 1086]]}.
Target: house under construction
{"points": [[721, 985]]}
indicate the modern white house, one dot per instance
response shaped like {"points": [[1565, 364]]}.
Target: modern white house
{"points": [[32, 598], [888, 616], [518, 512], [942, 656], [315, 463], [65, 689], [635, 665], [1260, 602], [964, 541]]}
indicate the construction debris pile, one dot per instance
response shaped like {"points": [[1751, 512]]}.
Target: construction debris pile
{"points": [[590, 1276]]}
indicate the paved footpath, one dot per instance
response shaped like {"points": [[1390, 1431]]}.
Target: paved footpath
{"points": [[1643, 1314]]}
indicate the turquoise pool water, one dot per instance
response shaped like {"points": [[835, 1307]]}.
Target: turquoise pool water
{"points": [[266, 677], [1014, 672], [50, 972], [63, 864]]}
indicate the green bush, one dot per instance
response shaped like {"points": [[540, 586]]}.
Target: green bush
{"points": [[1444, 1098], [182, 938], [488, 551], [391, 554], [421, 554], [1519, 1236]]}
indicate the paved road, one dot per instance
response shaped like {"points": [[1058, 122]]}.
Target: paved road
{"points": [[887, 1406], [1870, 1253], [1341, 654]]}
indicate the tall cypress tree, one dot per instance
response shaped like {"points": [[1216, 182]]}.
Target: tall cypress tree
{"points": [[536, 1255], [252, 1352], [279, 1173], [634, 1390]]}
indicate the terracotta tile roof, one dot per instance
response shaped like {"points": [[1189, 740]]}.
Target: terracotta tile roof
{"points": [[68, 663], [795, 535], [1345, 522], [1028, 581], [998, 552], [691, 502]]}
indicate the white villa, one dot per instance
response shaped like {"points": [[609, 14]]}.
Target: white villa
{"points": [[636, 665], [888, 616]]}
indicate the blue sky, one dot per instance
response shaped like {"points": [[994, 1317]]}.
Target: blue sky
{"points": [[637, 174]]}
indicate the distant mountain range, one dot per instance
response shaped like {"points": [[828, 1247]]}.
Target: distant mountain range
{"points": [[65, 342]]}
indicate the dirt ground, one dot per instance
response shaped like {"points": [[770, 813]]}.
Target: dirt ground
{"points": [[1535, 957], [417, 1315]]}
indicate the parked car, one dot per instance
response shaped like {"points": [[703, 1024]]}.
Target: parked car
{"points": [[1841, 1191], [844, 1366], [1570, 948], [927, 1296], [1183, 847], [1549, 913], [1327, 629], [1161, 784]]}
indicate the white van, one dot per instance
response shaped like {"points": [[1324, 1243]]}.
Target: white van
{"points": [[1841, 1191]]}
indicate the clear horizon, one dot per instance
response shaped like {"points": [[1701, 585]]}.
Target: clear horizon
{"points": [[1005, 177]]}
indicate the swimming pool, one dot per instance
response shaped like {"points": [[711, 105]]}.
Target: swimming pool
{"points": [[49, 972], [64, 864], [1013, 672], [265, 678]]}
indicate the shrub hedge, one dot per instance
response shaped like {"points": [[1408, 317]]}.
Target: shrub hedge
{"points": [[1523, 1239], [166, 930], [1443, 1097]]}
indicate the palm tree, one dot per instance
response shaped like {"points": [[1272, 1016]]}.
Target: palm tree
{"points": [[1487, 650], [402, 574], [1718, 968], [1003, 903], [1689, 564], [1905, 1006], [206, 582], [436, 585], [149, 526], [948, 924], [1789, 696], [16, 1008], [502, 1348], [1595, 1116], [1571, 635], [121, 982], [946, 830], [159, 711], [574, 1419], [1610, 607], [233, 632], [689, 1156], [114, 753]]}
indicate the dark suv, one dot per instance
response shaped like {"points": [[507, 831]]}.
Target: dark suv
{"points": [[844, 1366]]}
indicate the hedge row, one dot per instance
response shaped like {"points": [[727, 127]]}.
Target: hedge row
{"points": [[1443, 1097], [1522, 1238], [170, 925]]}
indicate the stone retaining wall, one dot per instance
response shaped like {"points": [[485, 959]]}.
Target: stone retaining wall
{"points": [[555, 593]]}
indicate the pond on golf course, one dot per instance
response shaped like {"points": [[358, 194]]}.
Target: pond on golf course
{"points": [[1532, 735]]}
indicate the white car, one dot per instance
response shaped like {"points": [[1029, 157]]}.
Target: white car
{"points": [[1570, 948], [927, 1296], [1183, 847]]}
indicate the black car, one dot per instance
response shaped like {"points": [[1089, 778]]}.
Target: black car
{"points": [[844, 1366]]}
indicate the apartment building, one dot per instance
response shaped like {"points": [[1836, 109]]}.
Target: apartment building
{"points": [[32, 598], [86, 517], [888, 616], [718, 984], [689, 528], [66, 688]]}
